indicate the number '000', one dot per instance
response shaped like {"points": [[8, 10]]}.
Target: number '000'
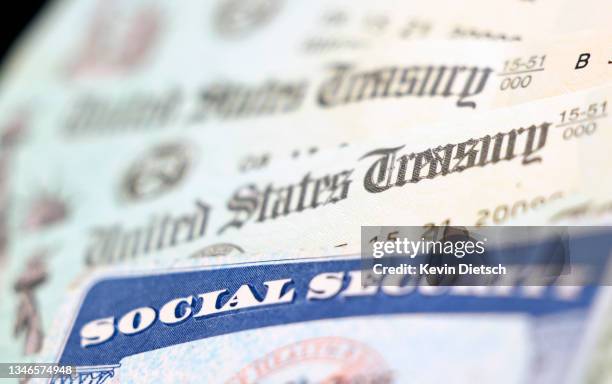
{"points": [[515, 82], [579, 130]]}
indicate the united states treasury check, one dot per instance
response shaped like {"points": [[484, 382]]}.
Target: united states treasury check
{"points": [[514, 160], [540, 159], [316, 102]]}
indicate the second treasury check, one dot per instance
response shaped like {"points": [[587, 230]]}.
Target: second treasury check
{"points": [[483, 170]]}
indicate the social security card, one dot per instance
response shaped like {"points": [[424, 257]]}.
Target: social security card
{"points": [[313, 320]]}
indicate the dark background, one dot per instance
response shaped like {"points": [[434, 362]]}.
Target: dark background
{"points": [[16, 16]]}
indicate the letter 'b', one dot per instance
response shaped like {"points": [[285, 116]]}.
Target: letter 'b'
{"points": [[583, 60]]}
